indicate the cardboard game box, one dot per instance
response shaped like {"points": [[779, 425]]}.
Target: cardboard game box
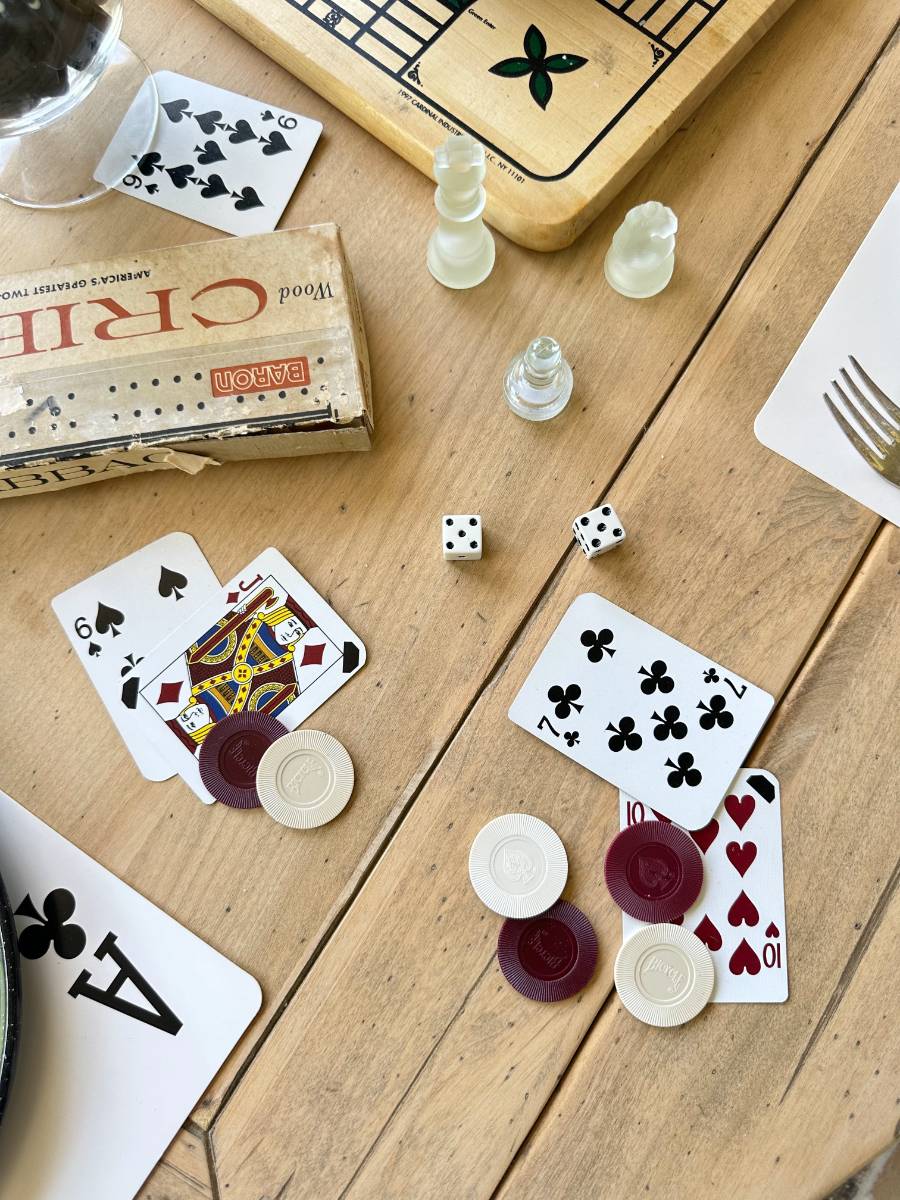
{"points": [[181, 358]]}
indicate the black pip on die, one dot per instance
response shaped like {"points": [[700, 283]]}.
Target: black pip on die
{"points": [[598, 530], [461, 536]]}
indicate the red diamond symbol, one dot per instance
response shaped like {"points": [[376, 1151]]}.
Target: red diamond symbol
{"points": [[233, 597], [169, 693], [312, 655]]}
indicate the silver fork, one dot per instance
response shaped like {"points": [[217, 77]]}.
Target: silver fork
{"points": [[881, 425]]}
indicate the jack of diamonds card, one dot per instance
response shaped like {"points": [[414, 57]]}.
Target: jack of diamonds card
{"points": [[739, 913], [271, 644]]}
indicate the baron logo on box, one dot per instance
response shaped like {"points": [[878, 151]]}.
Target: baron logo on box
{"points": [[257, 377]]}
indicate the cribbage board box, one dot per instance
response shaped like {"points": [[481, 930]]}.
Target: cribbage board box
{"points": [[181, 359]]}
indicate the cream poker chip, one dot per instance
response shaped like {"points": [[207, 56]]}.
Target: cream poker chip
{"points": [[518, 865], [664, 975], [304, 779]]}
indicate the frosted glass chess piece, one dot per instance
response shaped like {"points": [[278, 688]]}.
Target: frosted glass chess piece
{"points": [[642, 255], [461, 249], [538, 382]]}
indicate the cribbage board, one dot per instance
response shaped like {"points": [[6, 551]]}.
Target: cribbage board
{"points": [[569, 97]]}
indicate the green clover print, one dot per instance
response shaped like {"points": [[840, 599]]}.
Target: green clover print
{"points": [[537, 65]]}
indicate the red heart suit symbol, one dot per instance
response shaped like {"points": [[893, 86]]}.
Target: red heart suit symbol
{"points": [[708, 933], [743, 911], [773, 930], [706, 836], [744, 959], [740, 809], [741, 857]]}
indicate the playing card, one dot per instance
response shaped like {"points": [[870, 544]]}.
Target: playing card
{"points": [[634, 706], [739, 913], [267, 643], [126, 1018], [218, 157], [114, 618]]}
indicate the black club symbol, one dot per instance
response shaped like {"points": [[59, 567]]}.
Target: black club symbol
{"points": [[710, 675], [669, 724], [656, 678], [598, 644], [572, 737], [715, 714], [624, 736], [683, 771], [51, 929], [564, 699]]}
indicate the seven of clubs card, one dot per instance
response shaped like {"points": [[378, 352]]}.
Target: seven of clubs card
{"points": [[638, 708], [740, 911], [218, 157], [127, 1018], [115, 618], [267, 643]]}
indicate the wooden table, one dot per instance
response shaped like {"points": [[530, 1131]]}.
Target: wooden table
{"points": [[390, 1059]]}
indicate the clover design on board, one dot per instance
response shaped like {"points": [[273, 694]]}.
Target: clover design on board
{"points": [[538, 65]]}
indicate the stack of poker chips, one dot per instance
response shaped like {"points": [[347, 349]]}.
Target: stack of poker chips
{"points": [[302, 779], [41, 41], [547, 948]]}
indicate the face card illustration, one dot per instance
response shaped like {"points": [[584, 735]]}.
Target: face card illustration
{"points": [[739, 913], [640, 709], [116, 617], [126, 1018], [218, 157], [268, 643]]}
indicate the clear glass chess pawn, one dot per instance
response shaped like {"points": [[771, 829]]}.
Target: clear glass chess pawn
{"points": [[642, 255], [538, 382], [461, 249]]}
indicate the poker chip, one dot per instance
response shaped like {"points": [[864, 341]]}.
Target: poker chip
{"points": [[551, 956], [654, 871], [664, 975], [518, 865], [231, 753], [305, 779]]}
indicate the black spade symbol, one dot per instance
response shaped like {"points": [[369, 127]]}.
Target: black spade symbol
{"points": [[108, 619], [214, 186], [170, 582], [207, 121]]}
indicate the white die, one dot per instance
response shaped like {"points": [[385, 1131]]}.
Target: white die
{"points": [[461, 536], [598, 530]]}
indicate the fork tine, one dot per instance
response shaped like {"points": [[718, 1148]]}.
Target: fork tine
{"points": [[873, 423], [885, 427], [887, 403], [864, 450]]}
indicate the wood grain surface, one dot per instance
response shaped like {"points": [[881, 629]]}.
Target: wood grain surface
{"points": [[390, 1059]]}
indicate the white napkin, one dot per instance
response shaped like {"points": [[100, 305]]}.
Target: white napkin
{"points": [[862, 318]]}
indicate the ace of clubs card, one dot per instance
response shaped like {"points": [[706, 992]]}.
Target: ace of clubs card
{"points": [[116, 617], [739, 913], [126, 1018], [217, 157], [640, 709], [266, 643]]}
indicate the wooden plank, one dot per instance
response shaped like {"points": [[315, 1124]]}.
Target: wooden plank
{"points": [[622, 77], [183, 1172], [802, 1094], [405, 1060], [363, 527]]}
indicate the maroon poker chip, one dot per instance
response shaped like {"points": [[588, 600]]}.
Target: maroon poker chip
{"points": [[654, 871], [230, 755], [551, 956]]}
